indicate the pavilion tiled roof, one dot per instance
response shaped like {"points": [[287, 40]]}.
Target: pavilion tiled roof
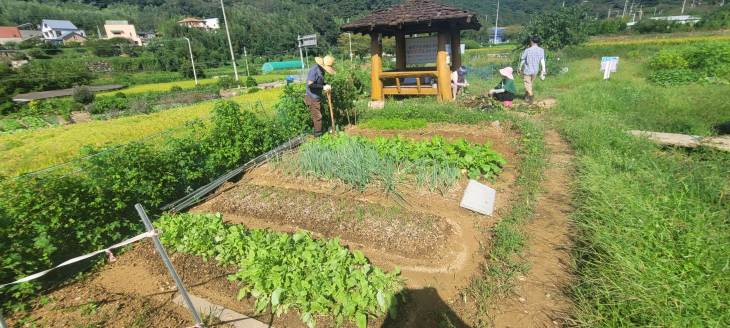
{"points": [[412, 12]]}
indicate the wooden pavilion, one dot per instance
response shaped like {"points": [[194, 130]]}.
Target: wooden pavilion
{"points": [[409, 18]]}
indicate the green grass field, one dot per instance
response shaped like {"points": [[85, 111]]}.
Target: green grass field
{"points": [[185, 84], [652, 237], [35, 150]]}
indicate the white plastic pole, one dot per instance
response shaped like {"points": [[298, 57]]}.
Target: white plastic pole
{"points": [[306, 55], [245, 54], [626, 5], [192, 61], [683, 3], [301, 56], [496, 22], [233, 58], [350, 35]]}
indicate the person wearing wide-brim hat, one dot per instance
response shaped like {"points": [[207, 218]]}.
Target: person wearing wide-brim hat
{"points": [[506, 89], [315, 87]]}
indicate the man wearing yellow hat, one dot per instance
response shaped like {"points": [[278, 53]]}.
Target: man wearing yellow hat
{"points": [[315, 87]]}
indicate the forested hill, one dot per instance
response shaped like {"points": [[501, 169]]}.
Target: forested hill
{"points": [[265, 27]]}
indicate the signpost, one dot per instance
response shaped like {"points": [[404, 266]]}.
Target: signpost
{"points": [[306, 41], [608, 65]]}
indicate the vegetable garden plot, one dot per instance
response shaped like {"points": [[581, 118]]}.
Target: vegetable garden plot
{"points": [[397, 231]]}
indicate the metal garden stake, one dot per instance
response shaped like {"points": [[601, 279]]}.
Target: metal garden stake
{"points": [[166, 259]]}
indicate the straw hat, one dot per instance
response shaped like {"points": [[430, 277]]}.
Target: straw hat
{"points": [[507, 71], [326, 63]]}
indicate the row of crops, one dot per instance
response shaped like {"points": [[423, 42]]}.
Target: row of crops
{"points": [[289, 272], [27, 122], [389, 163]]}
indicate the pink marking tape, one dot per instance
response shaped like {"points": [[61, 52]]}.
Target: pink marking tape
{"points": [[83, 257]]}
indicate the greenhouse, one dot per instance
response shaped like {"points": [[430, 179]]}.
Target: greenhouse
{"points": [[281, 66]]}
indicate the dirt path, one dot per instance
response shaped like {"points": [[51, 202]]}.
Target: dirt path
{"points": [[539, 299]]}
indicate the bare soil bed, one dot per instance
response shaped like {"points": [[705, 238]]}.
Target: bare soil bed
{"points": [[390, 229]]}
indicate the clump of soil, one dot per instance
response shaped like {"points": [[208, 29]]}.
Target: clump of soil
{"points": [[392, 228]]}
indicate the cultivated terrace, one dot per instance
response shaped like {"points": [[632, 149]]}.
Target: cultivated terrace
{"points": [[608, 194]]}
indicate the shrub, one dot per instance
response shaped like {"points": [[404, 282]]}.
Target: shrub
{"points": [[228, 82], [76, 107], [254, 90], [176, 88], [140, 106], [83, 95], [104, 104], [471, 44], [674, 76], [120, 95], [668, 59], [251, 82]]}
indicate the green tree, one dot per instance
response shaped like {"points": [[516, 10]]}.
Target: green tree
{"points": [[562, 27]]}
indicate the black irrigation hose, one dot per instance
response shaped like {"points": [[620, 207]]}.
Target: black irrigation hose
{"points": [[197, 195]]}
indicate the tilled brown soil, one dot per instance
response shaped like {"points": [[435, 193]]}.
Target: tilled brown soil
{"points": [[391, 229]]}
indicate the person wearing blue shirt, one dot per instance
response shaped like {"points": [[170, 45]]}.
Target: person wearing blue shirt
{"points": [[532, 59], [315, 87]]}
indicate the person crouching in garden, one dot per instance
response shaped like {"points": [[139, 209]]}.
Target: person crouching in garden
{"points": [[315, 87], [458, 80], [505, 90]]}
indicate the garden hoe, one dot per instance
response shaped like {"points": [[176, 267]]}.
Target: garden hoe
{"points": [[332, 114]]}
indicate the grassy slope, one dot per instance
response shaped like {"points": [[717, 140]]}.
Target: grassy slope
{"points": [[34, 150], [653, 237], [185, 84]]}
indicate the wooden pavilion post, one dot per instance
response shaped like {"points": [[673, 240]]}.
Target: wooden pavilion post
{"points": [[400, 51], [376, 67], [455, 47], [442, 69]]}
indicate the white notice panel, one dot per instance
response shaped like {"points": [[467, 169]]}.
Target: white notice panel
{"points": [[421, 50], [424, 50]]}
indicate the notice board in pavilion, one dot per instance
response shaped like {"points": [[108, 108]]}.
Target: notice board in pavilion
{"points": [[423, 50]]}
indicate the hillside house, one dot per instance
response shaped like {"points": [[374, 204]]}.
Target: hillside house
{"points": [[122, 29], [9, 34], [55, 31], [684, 19], [145, 36], [207, 24], [28, 31]]}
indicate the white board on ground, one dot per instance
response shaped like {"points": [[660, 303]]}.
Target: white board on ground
{"points": [[478, 198], [223, 314]]}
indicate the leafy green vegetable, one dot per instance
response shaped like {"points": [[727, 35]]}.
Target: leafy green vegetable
{"points": [[316, 277], [10, 125], [34, 122]]}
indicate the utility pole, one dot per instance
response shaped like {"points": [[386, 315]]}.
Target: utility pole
{"points": [[496, 21], [683, 3], [245, 54], [626, 5], [191, 61], [233, 58], [350, 36], [301, 56], [306, 55]]}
